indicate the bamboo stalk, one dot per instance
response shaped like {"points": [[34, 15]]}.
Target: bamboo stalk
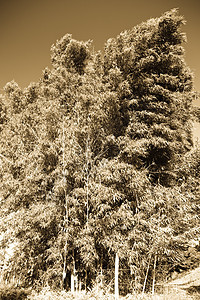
{"points": [[86, 280], [101, 282], [145, 280], [116, 277], [72, 282], [154, 274], [79, 285], [66, 204], [73, 276]]}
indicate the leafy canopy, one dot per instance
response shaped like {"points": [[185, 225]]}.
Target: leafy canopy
{"points": [[96, 159]]}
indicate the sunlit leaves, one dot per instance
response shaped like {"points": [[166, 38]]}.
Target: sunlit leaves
{"points": [[71, 54], [92, 158]]}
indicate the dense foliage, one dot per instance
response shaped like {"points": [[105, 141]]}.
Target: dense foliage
{"points": [[97, 159]]}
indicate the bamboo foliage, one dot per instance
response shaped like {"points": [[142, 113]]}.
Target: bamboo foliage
{"points": [[96, 161]]}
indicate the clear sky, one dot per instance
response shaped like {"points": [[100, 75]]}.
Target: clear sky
{"points": [[28, 28]]}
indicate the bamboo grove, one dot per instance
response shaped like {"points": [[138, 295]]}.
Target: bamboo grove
{"points": [[97, 158]]}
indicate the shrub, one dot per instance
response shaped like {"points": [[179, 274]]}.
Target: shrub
{"points": [[11, 292]]}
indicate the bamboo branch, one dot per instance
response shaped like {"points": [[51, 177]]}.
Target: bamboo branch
{"points": [[9, 161]]}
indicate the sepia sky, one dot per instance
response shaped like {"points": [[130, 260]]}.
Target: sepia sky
{"points": [[28, 28]]}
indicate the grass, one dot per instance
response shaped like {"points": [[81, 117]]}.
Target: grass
{"points": [[48, 294], [11, 292]]}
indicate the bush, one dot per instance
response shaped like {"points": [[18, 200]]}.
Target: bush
{"points": [[11, 292]]}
